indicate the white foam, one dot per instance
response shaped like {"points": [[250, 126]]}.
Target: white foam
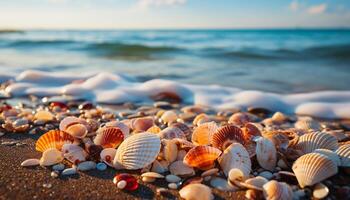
{"points": [[117, 88]]}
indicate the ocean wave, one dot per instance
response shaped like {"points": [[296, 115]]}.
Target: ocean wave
{"points": [[35, 43]]}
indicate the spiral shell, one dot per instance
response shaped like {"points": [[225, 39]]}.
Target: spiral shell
{"points": [[266, 153], [313, 168], [53, 139], [107, 155], [110, 137], [74, 153], [137, 151], [344, 154], [227, 135], [235, 156], [274, 190], [202, 157], [307, 143], [203, 133]]}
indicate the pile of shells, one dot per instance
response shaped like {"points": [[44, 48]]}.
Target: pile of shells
{"points": [[193, 149]]}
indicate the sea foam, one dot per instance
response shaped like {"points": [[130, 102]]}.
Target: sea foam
{"points": [[118, 88]]}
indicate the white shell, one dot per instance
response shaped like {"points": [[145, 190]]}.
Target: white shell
{"points": [[330, 154], [266, 153], [137, 151], [307, 143], [274, 190], [258, 181], [196, 191], [170, 150], [313, 168], [74, 153], [344, 154], [235, 156], [107, 156], [30, 162], [50, 157], [180, 169]]}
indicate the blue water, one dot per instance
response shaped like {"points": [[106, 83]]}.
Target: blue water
{"points": [[283, 61]]}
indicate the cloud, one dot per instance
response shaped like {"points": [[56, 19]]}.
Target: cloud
{"points": [[149, 3], [294, 5], [317, 9]]}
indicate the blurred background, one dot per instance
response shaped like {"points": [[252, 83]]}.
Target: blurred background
{"points": [[278, 46]]}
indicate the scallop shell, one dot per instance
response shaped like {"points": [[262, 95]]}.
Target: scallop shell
{"points": [[313, 168], [107, 155], [239, 119], [137, 151], [53, 139], [171, 133], [141, 124], [201, 118], [203, 133], [330, 154], [196, 191], [202, 157], [344, 154], [266, 153], [274, 190], [68, 121], [185, 129], [307, 143], [249, 131], [74, 153], [77, 130], [227, 135], [235, 156], [154, 129], [123, 127], [50, 157], [180, 169], [109, 137]]}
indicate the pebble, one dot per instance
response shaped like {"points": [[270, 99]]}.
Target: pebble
{"points": [[220, 184], [58, 167], [1, 134], [54, 174], [69, 171], [9, 143], [172, 186], [161, 191], [148, 179], [101, 166], [47, 185], [266, 174], [86, 166], [172, 178], [320, 191]]}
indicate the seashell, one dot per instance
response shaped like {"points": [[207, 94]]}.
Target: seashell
{"points": [[250, 130], [69, 171], [313, 168], [344, 154], [86, 166], [307, 143], [152, 175], [171, 133], [339, 134], [266, 174], [266, 153], [235, 156], [77, 130], [274, 190], [74, 153], [173, 186], [203, 133], [258, 181], [210, 172], [30, 162], [183, 143], [239, 119], [168, 117], [44, 115], [251, 147], [330, 154], [183, 127], [68, 121], [137, 151], [320, 191], [110, 137], [180, 169], [196, 191], [141, 124], [107, 155], [158, 167], [53, 139], [172, 178], [170, 150], [227, 135], [201, 118], [181, 155], [123, 127], [279, 117], [307, 124], [154, 129], [50, 157], [278, 138], [202, 157], [235, 174]]}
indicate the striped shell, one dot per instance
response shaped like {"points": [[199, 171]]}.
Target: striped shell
{"points": [[171, 133], [274, 190], [203, 133], [53, 139], [123, 127], [235, 156], [202, 157], [266, 153], [227, 135], [344, 154], [313, 168], [74, 153], [107, 155], [330, 154], [109, 137], [137, 151], [307, 143], [307, 124], [249, 131]]}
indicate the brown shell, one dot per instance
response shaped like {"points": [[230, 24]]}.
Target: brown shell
{"points": [[227, 135], [53, 139], [182, 126], [110, 137], [202, 157], [239, 119], [171, 133], [141, 124], [154, 129], [250, 131]]}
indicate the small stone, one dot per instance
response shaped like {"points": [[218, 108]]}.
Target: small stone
{"points": [[221, 184], [266, 174], [172, 178], [47, 185], [148, 179], [58, 167], [101, 166], [54, 174], [162, 191], [69, 171], [320, 191], [172, 186], [86, 166]]}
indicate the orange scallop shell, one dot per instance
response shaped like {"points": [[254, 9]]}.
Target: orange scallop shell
{"points": [[226, 135], [202, 157], [110, 137], [53, 139], [250, 131]]}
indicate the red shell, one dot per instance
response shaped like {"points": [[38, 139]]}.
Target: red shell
{"points": [[110, 137], [131, 181], [226, 135], [61, 105], [53, 139]]}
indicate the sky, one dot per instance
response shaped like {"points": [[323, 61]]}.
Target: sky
{"points": [[166, 14]]}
